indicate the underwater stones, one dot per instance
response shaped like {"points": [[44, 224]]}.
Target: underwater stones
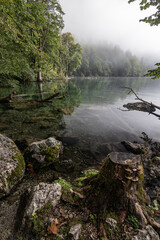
{"points": [[42, 194], [135, 148], [148, 233], [12, 165], [43, 153], [75, 231]]}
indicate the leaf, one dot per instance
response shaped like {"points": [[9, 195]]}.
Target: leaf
{"points": [[53, 228]]}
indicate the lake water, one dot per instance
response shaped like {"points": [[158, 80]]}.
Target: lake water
{"points": [[91, 112], [100, 119]]}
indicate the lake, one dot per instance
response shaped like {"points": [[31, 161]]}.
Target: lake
{"points": [[91, 113], [100, 118]]}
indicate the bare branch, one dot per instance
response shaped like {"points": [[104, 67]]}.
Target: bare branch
{"points": [[140, 99]]}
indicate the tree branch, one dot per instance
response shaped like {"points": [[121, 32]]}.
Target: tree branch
{"points": [[140, 99]]}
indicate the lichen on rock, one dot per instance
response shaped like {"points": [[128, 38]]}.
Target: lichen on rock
{"points": [[43, 153], [42, 194], [12, 165]]}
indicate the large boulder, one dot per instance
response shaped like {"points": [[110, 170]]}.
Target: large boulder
{"points": [[43, 153], [12, 165], [42, 194]]}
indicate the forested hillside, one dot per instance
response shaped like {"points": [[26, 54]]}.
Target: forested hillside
{"points": [[106, 60], [31, 44]]}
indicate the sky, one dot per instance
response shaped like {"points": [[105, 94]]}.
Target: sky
{"points": [[113, 21]]}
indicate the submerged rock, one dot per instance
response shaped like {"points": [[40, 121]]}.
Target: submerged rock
{"points": [[140, 106], [12, 165], [42, 194], [135, 148], [43, 153], [148, 233]]}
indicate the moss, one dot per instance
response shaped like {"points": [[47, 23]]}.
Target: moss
{"points": [[133, 221], [85, 174], [64, 184], [150, 161], [51, 153], [17, 173], [38, 226]]}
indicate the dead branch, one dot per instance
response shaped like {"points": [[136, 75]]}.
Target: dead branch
{"points": [[7, 99], [140, 99]]}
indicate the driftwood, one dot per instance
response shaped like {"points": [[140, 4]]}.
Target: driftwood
{"points": [[119, 186], [8, 99], [54, 96], [140, 99]]}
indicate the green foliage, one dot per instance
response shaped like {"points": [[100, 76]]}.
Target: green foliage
{"points": [[92, 218], [154, 206], [70, 54], [153, 20], [30, 42], [64, 184], [154, 73], [133, 221]]}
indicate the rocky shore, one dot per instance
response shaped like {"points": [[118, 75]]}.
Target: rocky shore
{"points": [[39, 200]]}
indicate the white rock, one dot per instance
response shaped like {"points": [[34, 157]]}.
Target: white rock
{"points": [[75, 231], [42, 194], [148, 233], [111, 222]]}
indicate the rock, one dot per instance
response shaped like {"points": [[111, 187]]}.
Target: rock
{"points": [[135, 148], [12, 165], [148, 233], [64, 166], [111, 222], [75, 232], [43, 153], [42, 194], [140, 106]]}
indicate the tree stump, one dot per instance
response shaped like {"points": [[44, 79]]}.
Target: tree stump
{"points": [[119, 186]]}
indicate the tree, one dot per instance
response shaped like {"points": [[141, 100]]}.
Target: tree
{"points": [[153, 20], [70, 54], [29, 31]]}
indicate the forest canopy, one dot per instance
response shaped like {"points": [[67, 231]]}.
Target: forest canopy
{"points": [[31, 43]]}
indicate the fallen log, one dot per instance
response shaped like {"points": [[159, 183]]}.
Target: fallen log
{"points": [[8, 99]]}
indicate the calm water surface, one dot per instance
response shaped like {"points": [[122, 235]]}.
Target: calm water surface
{"points": [[91, 112], [99, 119]]}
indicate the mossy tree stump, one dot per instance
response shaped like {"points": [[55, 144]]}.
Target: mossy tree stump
{"points": [[119, 186]]}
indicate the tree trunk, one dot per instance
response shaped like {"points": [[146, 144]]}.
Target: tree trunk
{"points": [[119, 186], [39, 75]]}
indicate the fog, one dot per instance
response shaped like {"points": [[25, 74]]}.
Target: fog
{"points": [[115, 22]]}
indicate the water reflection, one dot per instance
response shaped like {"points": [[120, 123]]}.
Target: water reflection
{"points": [[26, 119], [99, 120]]}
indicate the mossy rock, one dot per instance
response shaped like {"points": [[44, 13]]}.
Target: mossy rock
{"points": [[12, 165], [43, 153]]}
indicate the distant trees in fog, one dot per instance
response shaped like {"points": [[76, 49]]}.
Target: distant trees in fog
{"points": [[100, 60]]}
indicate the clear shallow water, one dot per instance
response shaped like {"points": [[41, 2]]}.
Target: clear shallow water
{"points": [[99, 119], [90, 113]]}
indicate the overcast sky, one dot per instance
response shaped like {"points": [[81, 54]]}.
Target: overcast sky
{"points": [[113, 21]]}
